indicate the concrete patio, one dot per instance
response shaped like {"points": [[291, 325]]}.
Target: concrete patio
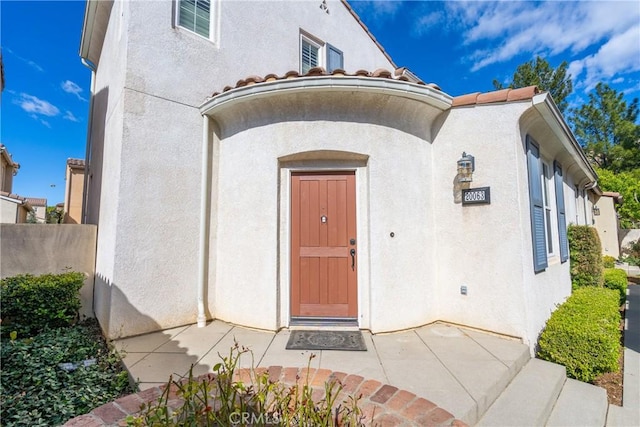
{"points": [[459, 369]]}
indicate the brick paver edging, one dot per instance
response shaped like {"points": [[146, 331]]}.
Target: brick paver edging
{"points": [[388, 405]]}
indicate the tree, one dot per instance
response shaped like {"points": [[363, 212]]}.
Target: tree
{"points": [[607, 130], [538, 72], [54, 215], [31, 217], [628, 185]]}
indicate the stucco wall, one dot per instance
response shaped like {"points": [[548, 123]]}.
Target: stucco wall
{"points": [[607, 225], [50, 248], [480, 246], [8, 212], [73, 195], [144, 172], [392, 160]]}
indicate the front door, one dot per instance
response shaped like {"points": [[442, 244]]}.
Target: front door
{"points": [[323, 245]]}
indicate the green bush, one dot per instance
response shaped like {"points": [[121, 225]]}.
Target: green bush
{"points": [[583, 334], [608, 261], [586, 259], [37, 391], [616, 279], [32, 303]]}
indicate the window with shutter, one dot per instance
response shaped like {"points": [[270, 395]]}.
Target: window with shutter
{"points": [[538, 234], [195, 15], [562, 217]]}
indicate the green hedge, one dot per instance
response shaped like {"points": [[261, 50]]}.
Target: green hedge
{"points": [[586, 256], [608, 261], [583, 334], [31, 304], [616, 279]]}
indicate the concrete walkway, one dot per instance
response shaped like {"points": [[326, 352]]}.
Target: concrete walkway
{"points": [[459, 369], [629, 413]]}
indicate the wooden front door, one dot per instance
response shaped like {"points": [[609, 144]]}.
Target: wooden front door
{"points": [[324, 260]]}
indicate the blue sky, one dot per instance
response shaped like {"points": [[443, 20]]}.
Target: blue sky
{"points": [[461, 46]]}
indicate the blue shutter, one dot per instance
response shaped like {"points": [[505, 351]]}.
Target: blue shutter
{"points": [[537, 207], [562, 217], [334, 58]]}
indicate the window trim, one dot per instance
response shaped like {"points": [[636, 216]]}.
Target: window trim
{"points": [[315, 43], [330, 47], [213, 20]]}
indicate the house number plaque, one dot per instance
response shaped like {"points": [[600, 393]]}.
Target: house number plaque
{"points": [[476, 196]]}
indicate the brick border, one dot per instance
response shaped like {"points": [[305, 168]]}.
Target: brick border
{"points": [[388, 405]]}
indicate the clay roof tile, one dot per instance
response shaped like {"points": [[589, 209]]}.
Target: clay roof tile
{"points": [[381, 72]]}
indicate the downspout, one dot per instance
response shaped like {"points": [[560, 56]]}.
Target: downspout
{"points": [[204, 193], [87, 154], [85, 188]]}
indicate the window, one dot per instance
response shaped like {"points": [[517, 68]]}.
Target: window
{"points": [[546, 177], [309, 55], [315, 53], [536, 199], [195, 15]]}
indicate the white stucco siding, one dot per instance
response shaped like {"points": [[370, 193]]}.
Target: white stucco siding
{"points": [[177, 64], [156, 251], [479, 246], [392, 272], [8, 211]]}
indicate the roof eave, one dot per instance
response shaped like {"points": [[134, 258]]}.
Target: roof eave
{"points": [[87, 28], [549, 111], [423, 93]]}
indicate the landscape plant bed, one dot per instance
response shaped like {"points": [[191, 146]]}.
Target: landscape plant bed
{"points": [[58, 374]]}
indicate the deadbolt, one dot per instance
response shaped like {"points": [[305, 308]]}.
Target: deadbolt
{"points": [[352, 242]]}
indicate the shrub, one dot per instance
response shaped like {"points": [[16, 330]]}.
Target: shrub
{"points": [[586, 259], [608, 261], [32, 303], [37, 391], [631, 253], [225, 399], [616, 279], [583, 334]]}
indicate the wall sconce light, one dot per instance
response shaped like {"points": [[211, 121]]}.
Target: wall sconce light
{"points": [[596, 210], [466, 167]]}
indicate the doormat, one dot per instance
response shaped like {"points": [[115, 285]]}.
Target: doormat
{"points": [[326, 340]]}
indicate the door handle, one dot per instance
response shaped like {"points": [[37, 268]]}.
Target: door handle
{"points": [[352, 252]]}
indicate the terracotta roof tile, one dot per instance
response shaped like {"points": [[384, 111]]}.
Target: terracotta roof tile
{"points": [[503, 95], [75, 162], [24, 200], [380, 73], [34, 201], [617, 197]]}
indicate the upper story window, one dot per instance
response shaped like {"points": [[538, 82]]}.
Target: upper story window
{"points": [[315, 53], [195, 15]]}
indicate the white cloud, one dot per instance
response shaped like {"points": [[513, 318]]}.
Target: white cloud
{"points": [[69, 116], [36, 106], [25, 60], [73, 88], [497, 32]]}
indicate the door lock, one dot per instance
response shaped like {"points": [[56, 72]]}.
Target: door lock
{"points": [[352, 252], [352, 242]]}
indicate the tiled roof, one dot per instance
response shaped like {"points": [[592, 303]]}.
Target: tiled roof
{"points": [[34, 201], [24, 200], [7, 156], [79, 162], [75, 162], [617, 197], [503, 95], [380, 73]]}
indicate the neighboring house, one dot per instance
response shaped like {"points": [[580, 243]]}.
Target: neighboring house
{"points": [[606, 222], [8, 169], [13, 208], [238, 172], [39, 207], [73, 193]]}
